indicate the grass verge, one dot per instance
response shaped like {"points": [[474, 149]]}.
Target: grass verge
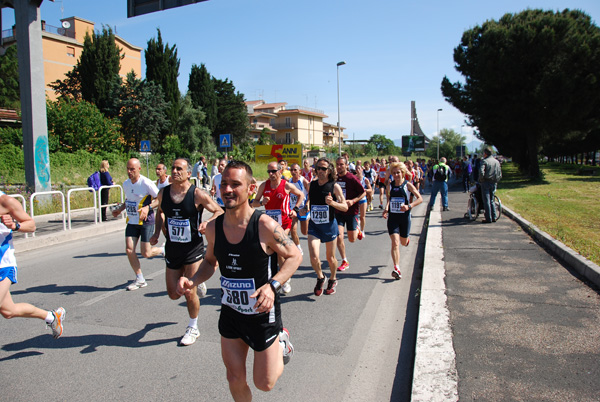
{"points": [[563, 203]]}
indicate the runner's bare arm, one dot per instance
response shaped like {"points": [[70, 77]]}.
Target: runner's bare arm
{"points": [[12, 211], [158, 223], [257, 200], [340, 204], [202, 198], [273, 237], [207, 267]]}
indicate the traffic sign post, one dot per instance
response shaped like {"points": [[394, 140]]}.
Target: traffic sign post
{"points": [[225, 141], [145, 148]]}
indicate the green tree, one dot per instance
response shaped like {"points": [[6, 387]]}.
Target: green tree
{"points": [[231, 111], [68, 88], [530, 79], [79, 125], [448, 140], [143, 113], [202, 91], [162, 67], [383, 145], [191, 131], [98, 69], [9, 79]]}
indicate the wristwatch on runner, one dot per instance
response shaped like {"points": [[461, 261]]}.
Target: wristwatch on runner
{"points": [[275, 285]]}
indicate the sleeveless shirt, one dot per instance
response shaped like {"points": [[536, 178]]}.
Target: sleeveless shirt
{"points": [[244, 266], [182, 220]]}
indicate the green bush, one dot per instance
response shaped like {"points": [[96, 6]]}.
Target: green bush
{"points": [[10, 135]]}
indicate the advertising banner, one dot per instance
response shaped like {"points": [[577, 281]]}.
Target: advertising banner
{"points": [[275, 153], [413, 143]]}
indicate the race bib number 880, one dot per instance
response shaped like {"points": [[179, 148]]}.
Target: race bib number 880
{"points": [[236, 294]]}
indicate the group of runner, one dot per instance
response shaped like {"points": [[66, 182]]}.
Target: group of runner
{"points": [[256, 253]]}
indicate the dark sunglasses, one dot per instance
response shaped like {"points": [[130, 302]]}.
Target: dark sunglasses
{"points": [[272, 171], [321, 168]]}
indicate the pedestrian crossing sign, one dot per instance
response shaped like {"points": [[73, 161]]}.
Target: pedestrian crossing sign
{"points": [[225, 140], [145, 146]]}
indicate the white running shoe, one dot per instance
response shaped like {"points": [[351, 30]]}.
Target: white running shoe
{"points": [[286, 345], [190, 336], [57, 325], [137, 284], [300, 248], [202, 290], [162, 250], [286, 287]]}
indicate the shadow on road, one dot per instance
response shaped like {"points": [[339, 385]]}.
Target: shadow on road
{"points": [[88, 343]]}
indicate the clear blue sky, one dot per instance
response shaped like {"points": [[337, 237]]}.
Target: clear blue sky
{"points": [[286, 51]]}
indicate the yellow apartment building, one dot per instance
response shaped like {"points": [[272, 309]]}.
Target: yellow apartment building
{"points": [[291, 124], [62, 47]]}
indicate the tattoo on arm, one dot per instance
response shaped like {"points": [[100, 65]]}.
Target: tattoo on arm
{"points": [[281, 238]]}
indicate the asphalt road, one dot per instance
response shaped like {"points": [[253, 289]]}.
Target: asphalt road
{"points": [[355, 345]]}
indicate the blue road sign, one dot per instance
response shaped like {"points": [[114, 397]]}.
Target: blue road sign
{"points": [[145, 146], [225, 140]]}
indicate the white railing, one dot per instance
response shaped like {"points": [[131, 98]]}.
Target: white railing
{"points": [[23, 202], [95, 208], [100, 205], [62, 197]]}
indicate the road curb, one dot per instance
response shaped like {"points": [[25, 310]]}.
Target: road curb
{"points": [[435, 377], [45, 240], [582, 265]]}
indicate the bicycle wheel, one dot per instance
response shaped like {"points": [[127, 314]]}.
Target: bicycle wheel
{"points": [[472, 208], [498, 206]]}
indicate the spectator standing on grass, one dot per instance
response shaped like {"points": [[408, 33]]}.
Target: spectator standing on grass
{"points": [[490, 174], [105, 180]]}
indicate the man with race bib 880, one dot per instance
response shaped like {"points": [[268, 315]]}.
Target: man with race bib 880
{"points": [[244, 243]]}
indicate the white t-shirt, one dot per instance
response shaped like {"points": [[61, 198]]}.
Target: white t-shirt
{"points": [[160, 185], [137, 195]]}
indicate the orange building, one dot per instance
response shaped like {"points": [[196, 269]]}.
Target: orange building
{"points": [[62, 47]]}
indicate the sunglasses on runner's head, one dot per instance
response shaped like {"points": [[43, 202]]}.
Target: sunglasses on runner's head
{"points": [[321, 168], [272, 171]]}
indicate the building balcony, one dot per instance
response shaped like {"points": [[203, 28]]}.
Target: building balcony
{"points": [[10, 35]]}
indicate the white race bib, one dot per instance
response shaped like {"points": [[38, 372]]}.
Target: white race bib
{"points": [[132, 212], [236, 294], [319, 213], [275, 214], [395, 205], [179, 230]]}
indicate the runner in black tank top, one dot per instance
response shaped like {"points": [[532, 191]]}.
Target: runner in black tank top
{"points": [[244, 268], [325, 197], [185, 244], [244, 244], [181, 204], [397, 211]]}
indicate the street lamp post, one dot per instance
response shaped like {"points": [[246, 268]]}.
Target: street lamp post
{"points": [[341, 63], [438, 133]]}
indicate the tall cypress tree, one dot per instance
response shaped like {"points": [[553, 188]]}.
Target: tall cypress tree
{"points": [[162, 67], [98, 68], [231, 111], [203, 94]]}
